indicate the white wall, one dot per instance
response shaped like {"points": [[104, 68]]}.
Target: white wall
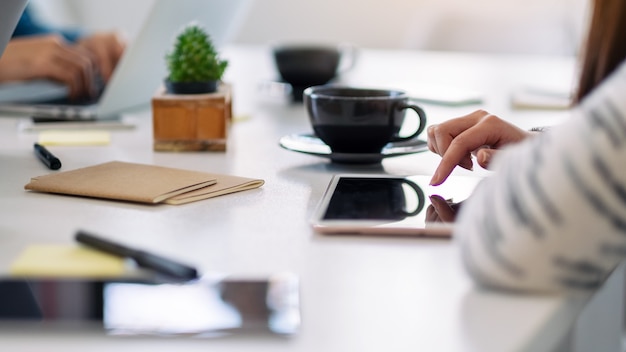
{"points": [[124, 15], [540, 26], [531, 26]]}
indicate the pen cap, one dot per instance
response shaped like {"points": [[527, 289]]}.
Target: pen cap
{"points": [[165, 266], [55, 164], [51, 161]]}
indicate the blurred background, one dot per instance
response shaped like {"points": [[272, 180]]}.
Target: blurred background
{"points": [[500, 26]]}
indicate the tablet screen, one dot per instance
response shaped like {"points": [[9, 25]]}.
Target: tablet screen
{"points": [[383, 203]]}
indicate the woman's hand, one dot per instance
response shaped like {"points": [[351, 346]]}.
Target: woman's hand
{"points": [[49, 56], [107, 49], [441, 210], [478, 133]]}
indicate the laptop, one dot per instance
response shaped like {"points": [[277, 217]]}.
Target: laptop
{"points": [[10, 12], [141, 69]]}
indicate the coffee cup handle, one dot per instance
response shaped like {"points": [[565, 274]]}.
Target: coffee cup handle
{"points": [[421, 201], [349, 53], [422, 117]]}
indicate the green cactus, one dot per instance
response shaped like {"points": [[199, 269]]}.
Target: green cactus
{"points": [[194, 58]]}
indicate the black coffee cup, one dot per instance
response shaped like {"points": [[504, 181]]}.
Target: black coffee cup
{"points": [[359, 120], [306, 65]]}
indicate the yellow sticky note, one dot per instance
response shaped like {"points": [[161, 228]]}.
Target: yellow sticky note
{"points": [[66, 261], [241, 118], [88, 137]]}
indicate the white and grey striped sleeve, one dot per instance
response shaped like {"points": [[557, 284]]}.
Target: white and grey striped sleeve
{"points": [[553, 215]]}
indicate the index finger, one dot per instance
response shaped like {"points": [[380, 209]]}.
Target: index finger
{"points": [[442, 135], [443, 209], [459, 148]]}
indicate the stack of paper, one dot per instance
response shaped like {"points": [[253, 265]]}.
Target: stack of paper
{"points": [[141, 183]]}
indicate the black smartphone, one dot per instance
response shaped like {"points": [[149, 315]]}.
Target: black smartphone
{"points": [[201, 307]]}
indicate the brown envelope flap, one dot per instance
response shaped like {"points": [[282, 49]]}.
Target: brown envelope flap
{"points": [[123, 181], [225, 184]]}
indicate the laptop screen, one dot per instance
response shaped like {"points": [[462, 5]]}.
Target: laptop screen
{"points": [[10, 11]]}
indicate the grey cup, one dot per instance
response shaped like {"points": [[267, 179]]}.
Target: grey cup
{"points": [[306, 65]]}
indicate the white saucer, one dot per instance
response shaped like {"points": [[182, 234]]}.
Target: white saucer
{"points": [[309, 144]]}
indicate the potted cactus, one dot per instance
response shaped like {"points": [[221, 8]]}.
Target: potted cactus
{"points": [[193, 111], [194, 65]]}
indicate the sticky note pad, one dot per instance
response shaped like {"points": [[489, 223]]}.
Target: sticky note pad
{"points": [[88, 137], [66, 261]]}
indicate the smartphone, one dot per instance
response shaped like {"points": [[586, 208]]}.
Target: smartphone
{"points": [[391, 205], [206, 306]]}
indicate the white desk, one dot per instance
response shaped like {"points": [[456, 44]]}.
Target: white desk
{"points": [[358, 294]]}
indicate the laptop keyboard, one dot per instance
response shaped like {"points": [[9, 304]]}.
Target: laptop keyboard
{"points": [[84, 101]]}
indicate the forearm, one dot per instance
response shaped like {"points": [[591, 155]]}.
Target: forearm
{"points": [[553, 217]]}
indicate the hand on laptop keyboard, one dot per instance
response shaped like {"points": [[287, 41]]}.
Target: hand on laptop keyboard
{"points": [[76, 65], [49, 56], [107, 47]]}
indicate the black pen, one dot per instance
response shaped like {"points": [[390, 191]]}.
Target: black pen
{"points": [[143, 258], [51, 161]]}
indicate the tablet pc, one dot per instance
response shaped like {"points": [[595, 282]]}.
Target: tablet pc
{"points": [[391, 205]]}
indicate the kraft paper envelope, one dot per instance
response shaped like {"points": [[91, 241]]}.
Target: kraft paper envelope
{"points": [[225, 184], [123, 181], [66, 261]]}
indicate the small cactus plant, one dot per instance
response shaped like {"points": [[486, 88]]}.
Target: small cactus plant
{"points": [[194, 58]]}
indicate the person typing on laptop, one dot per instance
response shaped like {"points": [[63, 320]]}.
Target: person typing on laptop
{"points": [[82, 62], [137, 74]]}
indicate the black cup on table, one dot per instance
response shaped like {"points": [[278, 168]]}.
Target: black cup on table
{"points": [[306, 65], [359, 120]]}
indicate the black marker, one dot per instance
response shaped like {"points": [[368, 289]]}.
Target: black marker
{"points": [[143, 258], [51, 161]]}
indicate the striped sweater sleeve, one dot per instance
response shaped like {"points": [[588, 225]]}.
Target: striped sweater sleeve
{"points": [[553, 215]]}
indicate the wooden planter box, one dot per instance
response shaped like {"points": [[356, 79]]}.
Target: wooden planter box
{"points": [[191, 122]]}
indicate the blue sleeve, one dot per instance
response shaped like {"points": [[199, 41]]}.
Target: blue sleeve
{"points": [[29, 25]]}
